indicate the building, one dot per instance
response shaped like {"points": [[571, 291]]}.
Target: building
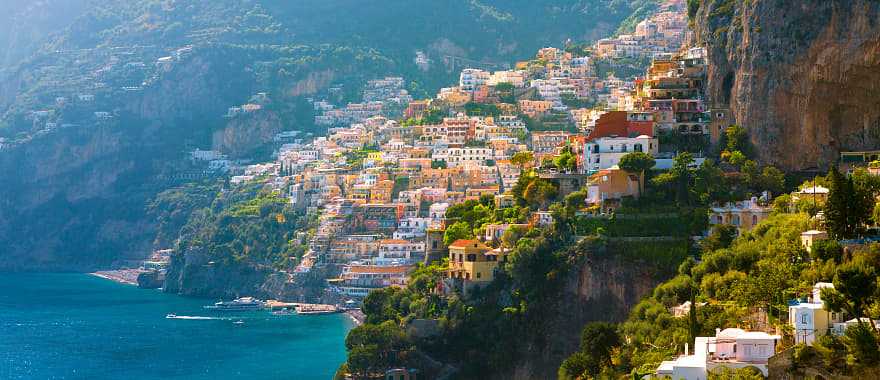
{"points": [[547, 142], [471, 262], [744, 214], [358, 280], [606, 152], [730, 348], [612, 184], [535, 108], [808, 238], [470, 79], [399, 252], [494, 232], [810, 319]]}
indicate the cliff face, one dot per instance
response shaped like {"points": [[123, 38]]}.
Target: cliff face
{"points": [[803, 77], [602, 289], [192, 273], [242, 134], [75, 199]]}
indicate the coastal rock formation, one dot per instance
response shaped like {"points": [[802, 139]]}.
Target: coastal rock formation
{"points": [[603, 288], [193, 274], [243, 133], [803, 77], [83, 189]]}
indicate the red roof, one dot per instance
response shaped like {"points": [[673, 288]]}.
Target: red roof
{"points": [[464, 243], [614, 123]]}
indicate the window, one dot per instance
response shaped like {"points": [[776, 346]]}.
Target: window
{"points": [[805, 318], [479, 274], [471, 257], [637, 148]]}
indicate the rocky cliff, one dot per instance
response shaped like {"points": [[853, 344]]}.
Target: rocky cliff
{"points": [[192, 273], [83, 189], [604, 287], [802, 76]]}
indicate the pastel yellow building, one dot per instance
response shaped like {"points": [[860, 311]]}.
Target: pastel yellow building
{"points": [[473, 261]]}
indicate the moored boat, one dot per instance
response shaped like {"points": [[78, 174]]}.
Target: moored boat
{"points": [[238, 304]]}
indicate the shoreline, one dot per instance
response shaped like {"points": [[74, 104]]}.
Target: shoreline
{"points": [[356, 316], [122, 276]]}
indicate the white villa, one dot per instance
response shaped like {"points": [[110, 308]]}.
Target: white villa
{"points": [[730, 348]]}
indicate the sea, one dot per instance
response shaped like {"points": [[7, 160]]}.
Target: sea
{"points": [[77, 326]]}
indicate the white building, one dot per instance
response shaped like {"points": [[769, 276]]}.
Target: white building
{"points": [[730, 348], [412, 228], [463, 156], [517, 78], [605, 152], [470, 79], [399, 252], [811, 320], [437, 212], [206, 155]]}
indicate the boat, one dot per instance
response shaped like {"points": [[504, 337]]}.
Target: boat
{"points": [[238, 322], [283, 312], [192, 317], [238, 304]]}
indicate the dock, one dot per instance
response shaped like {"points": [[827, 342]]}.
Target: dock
{"points": [[301, 308]]}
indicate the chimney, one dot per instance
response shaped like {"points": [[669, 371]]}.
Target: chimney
{"points": [[686, 349], [717, 331]]}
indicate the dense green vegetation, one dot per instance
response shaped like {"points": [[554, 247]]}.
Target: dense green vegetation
{"points": [[172, 208], [758, 272], [247, 225]]}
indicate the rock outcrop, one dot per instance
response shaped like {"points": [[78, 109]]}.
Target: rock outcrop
{"points": [[802, 76], [604, 287], [193, 273], [80, 193]]}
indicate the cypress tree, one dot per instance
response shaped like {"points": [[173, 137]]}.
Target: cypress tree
{"points": [[836, 217]]}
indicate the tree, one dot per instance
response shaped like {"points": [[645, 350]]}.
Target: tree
{"points": [[458, 230], [721, 236], [772, 180], [849, 205], [374, 347], [736, 139], [835, 208], [638, 162], [566, 161], [598, 341], [855, 289], [539, 193], [522, 159], [679, 179]]}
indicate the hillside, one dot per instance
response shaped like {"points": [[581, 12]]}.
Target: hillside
{"points": [[92, 127]]}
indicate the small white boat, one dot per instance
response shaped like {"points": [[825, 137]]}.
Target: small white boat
{"points": [[190, 317], [283, 312], [238, 322]]}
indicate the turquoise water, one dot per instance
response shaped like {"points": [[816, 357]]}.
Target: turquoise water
{"points": [[73, 326]]}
